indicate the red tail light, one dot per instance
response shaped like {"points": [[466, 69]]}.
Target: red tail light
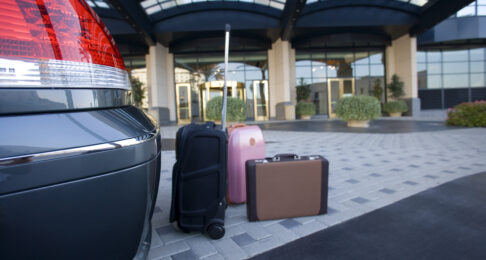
{"points": [[57, 43]]}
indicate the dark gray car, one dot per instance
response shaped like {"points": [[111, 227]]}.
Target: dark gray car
{"points": [[79, 166]]}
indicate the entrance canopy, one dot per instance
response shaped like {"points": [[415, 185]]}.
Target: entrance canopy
{"points": [[139, 24]]}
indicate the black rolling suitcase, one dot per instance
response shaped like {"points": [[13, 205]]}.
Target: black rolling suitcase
{"points": [[199, 175], [199, 179]]}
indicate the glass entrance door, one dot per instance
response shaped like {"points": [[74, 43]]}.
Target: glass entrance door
{"points": [[183, 97], [336, 89], [260, 99]]}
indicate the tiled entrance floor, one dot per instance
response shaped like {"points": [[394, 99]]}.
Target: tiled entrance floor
{"points": [[367, 171]]}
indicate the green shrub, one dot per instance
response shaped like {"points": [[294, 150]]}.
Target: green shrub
{"points": [[472, 114], [396, 87], [235, 109], [137, 92], [377, 90], [396, 106], [358, 108], [305, 109], [303, 91]]}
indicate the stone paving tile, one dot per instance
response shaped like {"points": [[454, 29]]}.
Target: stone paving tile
{"points": [[229, 249], [201, 247], [256, 230], [410, 182], [233, 230], [282, 233], [213, 257], [289, 223], [387, 191], [167, 250], [377, 163], [309, 228], [186, 255], [155, 239], [360, 200], [243, 239], [169, 234], [262, 246]]}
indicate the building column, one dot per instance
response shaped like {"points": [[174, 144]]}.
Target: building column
{"points": [[281, 70], [401, 59], [160, 84]]}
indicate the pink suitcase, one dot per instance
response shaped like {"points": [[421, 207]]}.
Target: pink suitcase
{"points": [[245, 143]]}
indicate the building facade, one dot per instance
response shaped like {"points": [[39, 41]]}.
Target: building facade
{"points": [[335, 47]]}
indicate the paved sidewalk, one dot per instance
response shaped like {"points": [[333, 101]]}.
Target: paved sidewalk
{"points": [[367, 171]]}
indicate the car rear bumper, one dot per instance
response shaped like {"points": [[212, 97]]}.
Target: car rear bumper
{"points": [[96, 204]]}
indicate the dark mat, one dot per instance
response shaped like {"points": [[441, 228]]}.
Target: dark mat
{"points": [[446, 222], [376, 126]]}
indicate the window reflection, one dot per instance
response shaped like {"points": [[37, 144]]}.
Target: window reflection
{"points": [[204, 74], [320, 68], [460, 68]]}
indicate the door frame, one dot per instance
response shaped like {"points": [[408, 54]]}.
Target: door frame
{"points": [[255, 100], [341, 92], [189, 100]]}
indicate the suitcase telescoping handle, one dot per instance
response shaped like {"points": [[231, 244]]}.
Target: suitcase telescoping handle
{"points": [[225, 87], [280, 156]]}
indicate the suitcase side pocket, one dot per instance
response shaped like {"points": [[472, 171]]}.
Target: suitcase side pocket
{"points": [[324, 185], [250, 169]]}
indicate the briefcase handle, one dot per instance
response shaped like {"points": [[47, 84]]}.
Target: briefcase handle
{"points": [[280, 156]]}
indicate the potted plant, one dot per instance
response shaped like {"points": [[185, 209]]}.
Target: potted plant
{"points": [[395, 108], [305, 110], [138, 91], [377, 90], [357, 111], [235, 109]]}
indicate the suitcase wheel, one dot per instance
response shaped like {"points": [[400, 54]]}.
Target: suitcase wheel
{"points": [[215, 231]]}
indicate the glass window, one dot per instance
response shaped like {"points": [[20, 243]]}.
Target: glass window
{"points": [[422, 79], [481, 9], [303, 81], [377, 70], [303, 63], [456, 67], [254, 75], [331, 71], [434, 81], [362, 70], [362, 58], [477, 66], [365, 66], [318, 80], [237, 75], [376, 58], [467, 11], [476, 54], [434, 56], [434, 68], [200, 71], [319, 71], [477, 80], [456, 81], [421, 67], [459, 55], [302, 59], [303, 72], [421, 56]]}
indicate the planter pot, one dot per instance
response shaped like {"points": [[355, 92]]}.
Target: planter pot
{"points": [[395, 114], [305, 117], [359, 123]]}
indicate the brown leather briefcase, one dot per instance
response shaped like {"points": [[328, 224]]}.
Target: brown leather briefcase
{"points": [[286, 186]]}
